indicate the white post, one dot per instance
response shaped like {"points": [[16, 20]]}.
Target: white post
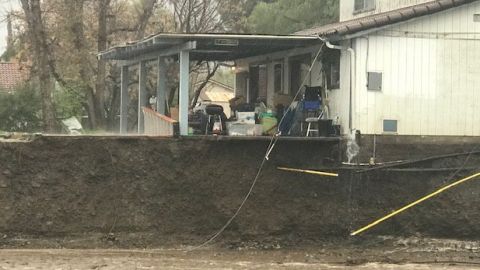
{"points": [[184, 91], [162, 86], [286, 76], [142, 95], [124, 100]]}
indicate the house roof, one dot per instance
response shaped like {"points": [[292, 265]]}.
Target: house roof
{"points": [[204, 46], [217, 92], [11, 75], [341, 29]]}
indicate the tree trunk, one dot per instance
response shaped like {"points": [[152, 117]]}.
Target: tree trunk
{"points": [[95, 110], [103, 6], [41, 58], [144, 18], [199, 90]]}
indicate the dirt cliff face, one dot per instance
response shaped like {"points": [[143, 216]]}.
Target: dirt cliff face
{"points": [[181, 188]]}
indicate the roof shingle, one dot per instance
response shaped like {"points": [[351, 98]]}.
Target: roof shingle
{"points": [[11, 75], [383, 19]]}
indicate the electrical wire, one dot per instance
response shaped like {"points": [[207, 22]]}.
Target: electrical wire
{"points": [[429, 196], [271, 146], [425, 198]]}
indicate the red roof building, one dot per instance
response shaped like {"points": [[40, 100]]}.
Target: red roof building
{"points": [[11, 75]]}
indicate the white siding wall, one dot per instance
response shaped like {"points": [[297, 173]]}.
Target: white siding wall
{"points": [[339, 99], [431, 76], [347, 7]]}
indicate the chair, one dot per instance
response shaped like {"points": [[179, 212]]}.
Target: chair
{"points": [[312, 107], [313, 120]]}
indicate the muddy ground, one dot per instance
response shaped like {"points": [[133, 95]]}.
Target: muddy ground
{"points": [[151, 193], [383, 253]]}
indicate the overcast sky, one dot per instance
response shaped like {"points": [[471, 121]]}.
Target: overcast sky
{"points": [[5, 6]]}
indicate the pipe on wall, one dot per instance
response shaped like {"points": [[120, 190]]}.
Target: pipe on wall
{"points": [[352, 76]]}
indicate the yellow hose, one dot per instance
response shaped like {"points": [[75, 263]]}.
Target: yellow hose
{"points": [[308, 171], [415, 203]]}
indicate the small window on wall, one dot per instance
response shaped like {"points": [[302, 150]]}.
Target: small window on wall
{"points": [[476, 17], [374, 81], [331, 62], [364, 5], [390, 126], [278, 78]]}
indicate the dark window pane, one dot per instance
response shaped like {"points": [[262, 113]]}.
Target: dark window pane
{"points": [[359, 5], [278, 81], [331, 61], [390, 126]]}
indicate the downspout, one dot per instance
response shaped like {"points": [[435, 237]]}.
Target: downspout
{"points": [[352, 77]]}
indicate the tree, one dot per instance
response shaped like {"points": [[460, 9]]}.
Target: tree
{"points": [[102, 43], [64, 36], [209, 74], [197, 16], [234, 14], [146, 12], [77, 26], [288, 16], [43, 60]]}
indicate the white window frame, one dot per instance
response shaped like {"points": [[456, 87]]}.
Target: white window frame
{"points": [[368, 5]]}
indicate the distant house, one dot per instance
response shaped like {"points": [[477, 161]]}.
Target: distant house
{"points": [[11, 75], [218, 93]]}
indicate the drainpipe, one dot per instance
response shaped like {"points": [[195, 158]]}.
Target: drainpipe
{"points": [[352, 76]]}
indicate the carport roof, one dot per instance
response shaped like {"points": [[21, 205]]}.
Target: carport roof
{"points": [[221, 47]]}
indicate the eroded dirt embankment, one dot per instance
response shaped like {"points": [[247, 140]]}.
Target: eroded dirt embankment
{"points": [[178, 189]]}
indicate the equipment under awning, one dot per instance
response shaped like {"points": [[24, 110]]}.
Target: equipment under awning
{"points": [[166, 48]]}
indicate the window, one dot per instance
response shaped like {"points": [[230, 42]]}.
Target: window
{"points": [[390, 126], [476, 17], [278, 78], [364, 5], [374, 81], [331, 62], [299, 67]]}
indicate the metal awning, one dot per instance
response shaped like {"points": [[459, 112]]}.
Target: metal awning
{"points": [[209, 47], [186, 48]]}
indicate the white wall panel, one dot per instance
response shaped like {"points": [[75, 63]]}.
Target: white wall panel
{"points": [[347, 7], [431, 75], [339, 99]]}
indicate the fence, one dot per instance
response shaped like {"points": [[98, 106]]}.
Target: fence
{"points": [[156, 124]]}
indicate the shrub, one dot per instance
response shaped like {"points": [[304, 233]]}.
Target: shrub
{"points": [[20, 110]]}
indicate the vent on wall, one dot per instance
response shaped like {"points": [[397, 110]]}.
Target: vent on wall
{"points": [[476, 17], [390, 126], [374, 82]]}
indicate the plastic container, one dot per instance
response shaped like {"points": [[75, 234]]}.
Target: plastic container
{"points": [[269, 124], [324, 127], [242, 129]]}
